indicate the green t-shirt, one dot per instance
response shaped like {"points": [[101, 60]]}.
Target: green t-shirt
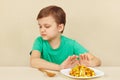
{"points": [[67, 48]]}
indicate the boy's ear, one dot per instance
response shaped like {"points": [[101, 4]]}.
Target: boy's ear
{"points": [[60, 27]]}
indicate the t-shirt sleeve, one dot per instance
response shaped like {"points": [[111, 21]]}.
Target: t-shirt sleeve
{"points": [[79, 49], [37, 45]]}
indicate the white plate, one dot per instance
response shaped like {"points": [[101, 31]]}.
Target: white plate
{"points": [[97, 72]]}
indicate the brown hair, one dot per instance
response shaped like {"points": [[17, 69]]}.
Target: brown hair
{"points": [[55, 11]]}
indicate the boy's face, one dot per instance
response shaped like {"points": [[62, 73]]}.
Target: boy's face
{"points": [[49, 29]]}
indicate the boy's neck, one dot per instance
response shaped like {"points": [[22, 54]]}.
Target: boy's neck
{"points": [[55, 43]]}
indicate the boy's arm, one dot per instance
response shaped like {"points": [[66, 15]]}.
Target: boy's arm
{"points": [[90, 60], [37, 62]]}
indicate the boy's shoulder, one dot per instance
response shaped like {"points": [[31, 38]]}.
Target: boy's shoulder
{"points": [[67, 39], [39, 38]]}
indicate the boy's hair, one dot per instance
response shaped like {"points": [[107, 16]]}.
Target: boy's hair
{"points": [[55, 11]]}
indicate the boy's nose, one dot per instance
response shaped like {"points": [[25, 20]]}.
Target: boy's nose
{"points": [[42, 29]]}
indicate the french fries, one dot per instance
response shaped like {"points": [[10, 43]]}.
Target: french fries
{"points": [[81, 71]]}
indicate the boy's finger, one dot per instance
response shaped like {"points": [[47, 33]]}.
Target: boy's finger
{"points": [[74, 57], [81, 57], [87, 58], [75, 63]]}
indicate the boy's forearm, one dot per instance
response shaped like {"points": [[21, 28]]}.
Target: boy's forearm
{"points": [[40, 63]]}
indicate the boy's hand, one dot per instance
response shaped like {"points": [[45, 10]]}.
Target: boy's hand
{"points": [[71, 61], [86, 59]]}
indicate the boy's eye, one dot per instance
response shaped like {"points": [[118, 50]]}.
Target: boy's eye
{"points": [[40, 26], [47, 26]]}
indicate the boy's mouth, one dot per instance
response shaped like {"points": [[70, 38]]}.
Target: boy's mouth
{"points": [[43, 34]]}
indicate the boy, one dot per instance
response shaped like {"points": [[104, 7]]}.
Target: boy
{"points": [[54, 51]]}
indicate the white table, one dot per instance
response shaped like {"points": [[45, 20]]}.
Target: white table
{"points": [[28, 73]]}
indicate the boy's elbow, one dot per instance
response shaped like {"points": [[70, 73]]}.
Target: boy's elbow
{"points": [[33, 64]]}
